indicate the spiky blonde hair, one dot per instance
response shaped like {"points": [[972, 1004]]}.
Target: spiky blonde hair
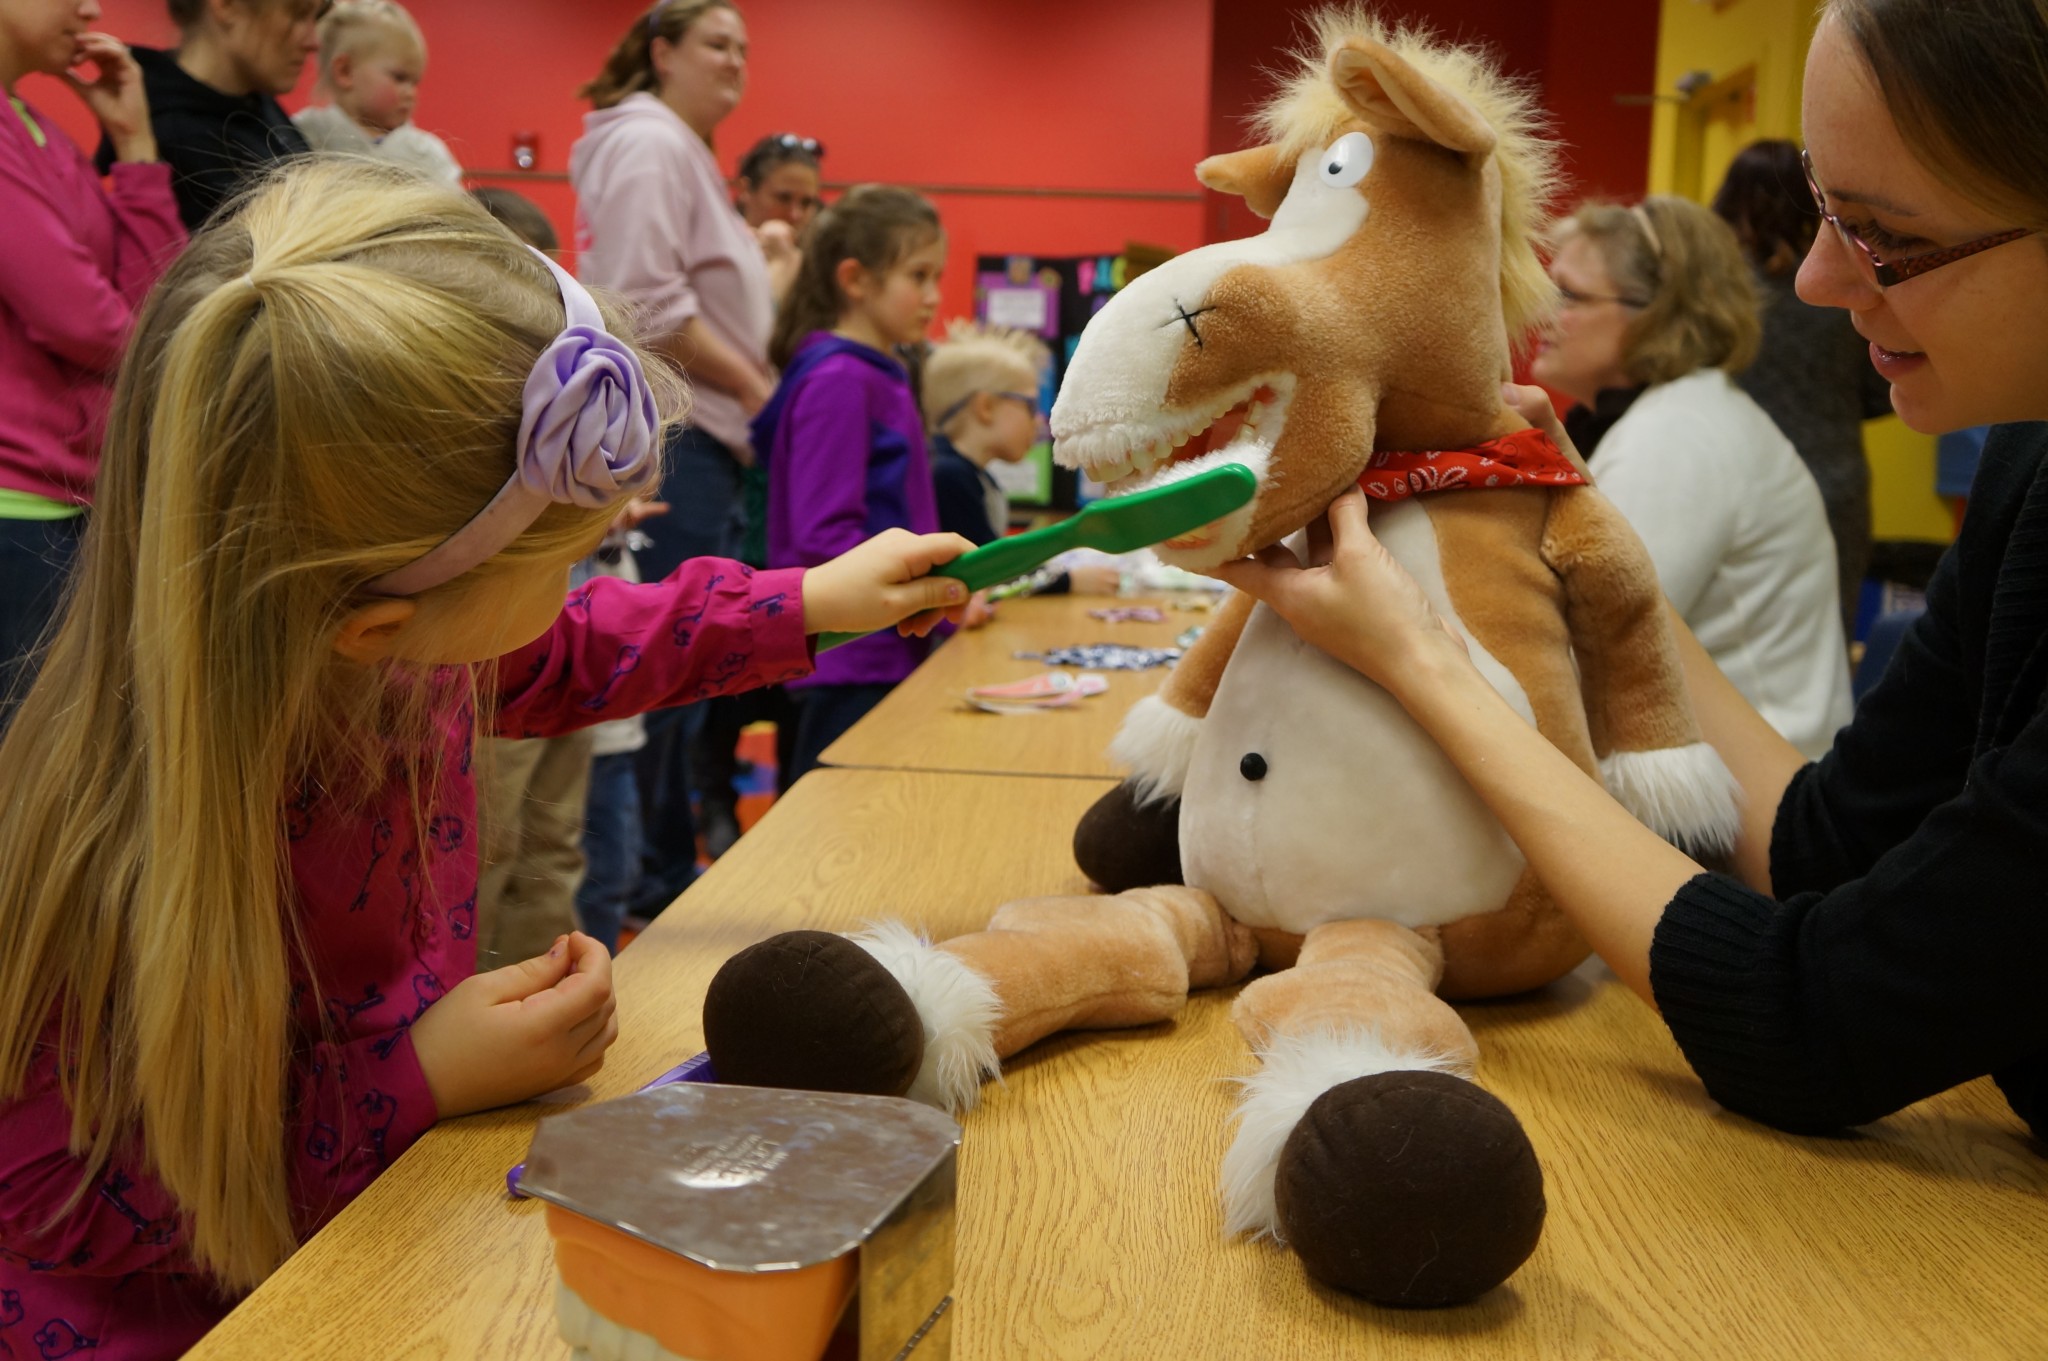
{"points": [[976, 358], [1308, 110]]}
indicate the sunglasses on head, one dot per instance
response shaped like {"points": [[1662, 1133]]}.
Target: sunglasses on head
{"points": [[789, 141]]}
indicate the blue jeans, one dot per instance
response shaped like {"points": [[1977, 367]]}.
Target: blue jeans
{"points": [[611, 847], [35, 561], [823, 714], [701, 485]]}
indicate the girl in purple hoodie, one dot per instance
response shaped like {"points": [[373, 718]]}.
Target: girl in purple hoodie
{"points": [[842, 438], [79, 257]]}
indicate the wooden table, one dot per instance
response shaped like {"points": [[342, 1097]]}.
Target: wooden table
{"points": [[926, 724], [1088, 1219]]}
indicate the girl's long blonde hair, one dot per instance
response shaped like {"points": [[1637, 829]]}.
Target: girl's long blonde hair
{"points": [[323, 387]]}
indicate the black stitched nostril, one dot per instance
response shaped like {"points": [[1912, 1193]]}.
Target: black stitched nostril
{"points": [[1253, 766]]}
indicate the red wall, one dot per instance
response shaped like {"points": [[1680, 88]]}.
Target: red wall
{"points": [[1120, 96]]}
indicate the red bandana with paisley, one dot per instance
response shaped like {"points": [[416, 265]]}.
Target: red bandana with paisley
{"points": [[1526, 458]]}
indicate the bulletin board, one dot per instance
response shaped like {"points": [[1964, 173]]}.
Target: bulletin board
{"points": [[1052, 297]]}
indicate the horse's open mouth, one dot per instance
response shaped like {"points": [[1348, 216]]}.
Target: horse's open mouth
{"points": [[1241, 426]]}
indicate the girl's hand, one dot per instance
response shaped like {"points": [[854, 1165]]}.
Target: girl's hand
{"points": [[886, 581], [115, 96], [513, 1033], [1352, 600], [980, 610], [636, 513]]}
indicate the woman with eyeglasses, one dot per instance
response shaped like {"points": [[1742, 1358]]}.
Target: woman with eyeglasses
{"points": [[1658, 313], [776, 191], [1881, 935], [1812, 372], [655, 224]]}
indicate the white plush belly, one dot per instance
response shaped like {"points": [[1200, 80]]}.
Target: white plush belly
{"points": [[1357, 813]]}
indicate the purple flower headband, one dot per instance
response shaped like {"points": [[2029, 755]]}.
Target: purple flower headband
{"points": [[588, 436]]}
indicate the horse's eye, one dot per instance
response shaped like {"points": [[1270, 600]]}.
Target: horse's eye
{"points": [[1346, 160]]}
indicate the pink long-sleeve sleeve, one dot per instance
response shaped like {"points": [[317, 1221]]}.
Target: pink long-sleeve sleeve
{"points": [[711, 627], [74, 291], [77, 259]]}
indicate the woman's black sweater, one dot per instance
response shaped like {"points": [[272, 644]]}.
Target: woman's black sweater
{"points": [[1907, 949]]}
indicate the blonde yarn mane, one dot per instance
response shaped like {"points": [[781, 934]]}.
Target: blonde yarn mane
{"points": [[1308, 111]]}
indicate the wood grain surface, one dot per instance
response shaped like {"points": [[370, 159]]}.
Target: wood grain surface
{"points": [[927, 724], [1088, 1218]]}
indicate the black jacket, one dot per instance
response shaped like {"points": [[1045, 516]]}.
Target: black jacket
{"points": [[1907, 951], [215, 144]]}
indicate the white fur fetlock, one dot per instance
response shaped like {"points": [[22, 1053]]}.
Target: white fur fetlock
{"points": [[959, 1009], [1294, 1071], [1156, 743], [1687, 795]]}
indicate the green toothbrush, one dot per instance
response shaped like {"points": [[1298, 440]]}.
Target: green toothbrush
{"points": [[1115, 524]]}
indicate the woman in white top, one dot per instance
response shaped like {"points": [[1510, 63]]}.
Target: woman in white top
{"points": [[1659, 310]]}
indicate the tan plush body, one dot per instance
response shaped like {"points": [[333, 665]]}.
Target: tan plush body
{"points": [[1310, 815]]}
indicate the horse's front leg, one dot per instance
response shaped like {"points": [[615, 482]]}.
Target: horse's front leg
{"points": [[887, 1013], [1362, 1143]]}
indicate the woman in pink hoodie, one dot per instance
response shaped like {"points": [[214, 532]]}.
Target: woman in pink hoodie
{"points": [[655, 223], [78, 260]]}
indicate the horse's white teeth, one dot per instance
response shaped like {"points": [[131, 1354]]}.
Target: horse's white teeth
{"points": [[1180, 439]]}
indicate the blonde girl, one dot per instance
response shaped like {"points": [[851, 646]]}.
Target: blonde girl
{"points": [[843, 438], [360, 438]]}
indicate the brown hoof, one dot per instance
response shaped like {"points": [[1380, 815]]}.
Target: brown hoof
{"points": [[1120, 845], [812, 1010], [1412, 1189]]}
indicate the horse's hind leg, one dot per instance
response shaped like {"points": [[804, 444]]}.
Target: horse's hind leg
{"points": [[1362, 1143]]}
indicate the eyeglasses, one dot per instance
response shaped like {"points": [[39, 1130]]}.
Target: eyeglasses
{"points": [[789, 141], [1573, 298], [1886, 274], [1030, 401]]}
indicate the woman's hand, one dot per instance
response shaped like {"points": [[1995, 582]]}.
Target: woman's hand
{"points": [[886, 581], [516, 1032], [115, 96], [754, 391], [1532, 404], [1352, 599], [778, 243]]}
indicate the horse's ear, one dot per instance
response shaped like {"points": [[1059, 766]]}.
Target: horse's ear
{"points": [[1388, 93], [1255, 175]]}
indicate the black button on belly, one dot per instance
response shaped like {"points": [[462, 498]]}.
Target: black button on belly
{"points": [[1253, 766]]}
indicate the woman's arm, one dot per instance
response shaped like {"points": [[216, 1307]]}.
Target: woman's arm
{"points": [[1608, 872], [1762, 762], [708, 359], [57, 291]]}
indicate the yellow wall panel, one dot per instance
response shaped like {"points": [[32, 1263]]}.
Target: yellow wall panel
{"points": [[1743, 62]]}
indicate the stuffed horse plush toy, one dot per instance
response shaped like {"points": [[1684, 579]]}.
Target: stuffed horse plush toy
{"points": [[1281, 808]]}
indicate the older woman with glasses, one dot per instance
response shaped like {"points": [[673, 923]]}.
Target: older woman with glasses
{"points": [[1881, 935], [1659, 310]]}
